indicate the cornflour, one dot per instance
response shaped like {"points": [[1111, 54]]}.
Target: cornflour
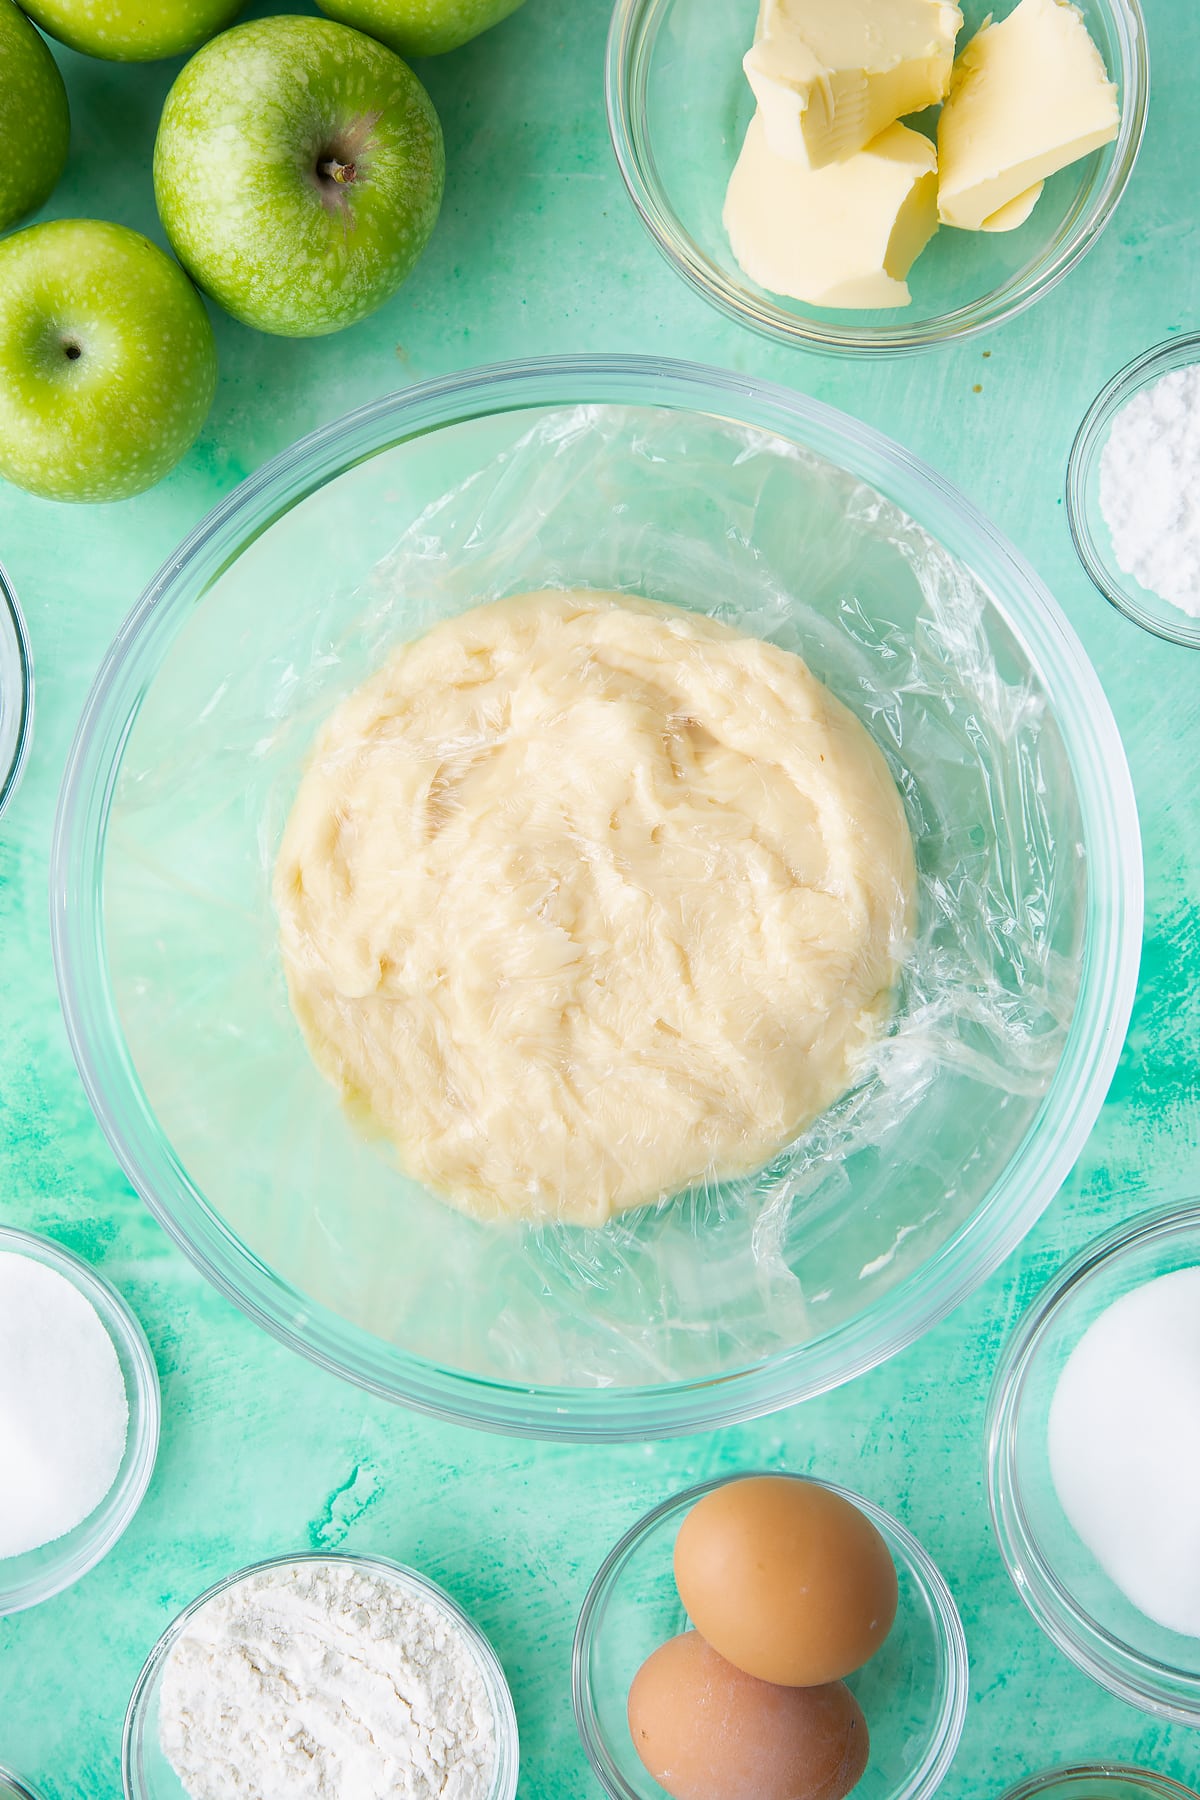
{"points": [[1150, 488], [321, 1680]]}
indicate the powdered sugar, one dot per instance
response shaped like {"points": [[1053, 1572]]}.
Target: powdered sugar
{"points": [[323, 1680], [1150, 488]]}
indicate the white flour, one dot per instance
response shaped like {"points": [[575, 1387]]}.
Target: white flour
{"points": [[1150, 488], [321, 1681]]}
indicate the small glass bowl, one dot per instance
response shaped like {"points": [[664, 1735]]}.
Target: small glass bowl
{"points": [[1099, 1781], [16, 692], [13, 1789], [913, 1692], [1078, 1607], [37, 1575], [1088, 527], [145, 1771], [678, 108]]}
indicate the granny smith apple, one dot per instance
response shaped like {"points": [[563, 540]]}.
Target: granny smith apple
{"points": [[107, 361], [34, 122], [132, 30], [298, 172], [421, 27]]}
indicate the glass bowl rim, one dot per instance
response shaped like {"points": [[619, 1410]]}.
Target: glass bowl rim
{"points": [[12, 1787], [628, 27], [1180, 351], [1030, 1178], [1161, 1787], [488, 1662], [924, 1781], [14, 646], [1140, 1680], [91, 1540]]}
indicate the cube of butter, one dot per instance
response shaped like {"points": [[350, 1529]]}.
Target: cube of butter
{"points": [[845, 235], [830, 75], [1029, 95]]}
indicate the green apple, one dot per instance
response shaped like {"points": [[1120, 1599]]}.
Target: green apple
{"points": [[298, 172], [421, 27], [132, 30], [107, 361], [34, 122]]}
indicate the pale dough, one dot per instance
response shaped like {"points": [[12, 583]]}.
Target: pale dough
{"points": [[585, 898]]}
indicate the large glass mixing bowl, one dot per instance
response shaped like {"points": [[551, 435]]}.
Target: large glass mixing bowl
{"points": [[688, 485]]}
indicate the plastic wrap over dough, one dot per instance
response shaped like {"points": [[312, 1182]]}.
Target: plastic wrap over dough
{"points": [[585, 898]]}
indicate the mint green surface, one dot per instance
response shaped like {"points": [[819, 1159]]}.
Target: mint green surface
{"points": [[538, 251]]}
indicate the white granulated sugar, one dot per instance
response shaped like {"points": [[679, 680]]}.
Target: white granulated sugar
{"points": [[1124, 1443], [323, 1681], [64, 1414], [1150, 488]]}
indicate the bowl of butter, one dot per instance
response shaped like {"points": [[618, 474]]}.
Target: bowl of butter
{"points": [[876, 176], [597, 898]]}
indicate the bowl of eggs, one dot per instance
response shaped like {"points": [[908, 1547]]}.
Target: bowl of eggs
{"points": [[769, 1637]]}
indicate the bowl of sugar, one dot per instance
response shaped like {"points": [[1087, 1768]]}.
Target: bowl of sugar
{"points": [[1094, 1462], [1132, 481], [79, 1419]]}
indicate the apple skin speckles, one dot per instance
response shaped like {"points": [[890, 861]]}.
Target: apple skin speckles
{"points": [[246, 173], [421, 27], [35, 124], [129, 30], [108, 363]]}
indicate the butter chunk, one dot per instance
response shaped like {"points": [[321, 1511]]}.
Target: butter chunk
{"points": [[1016, 212], [1029, 96], [845, 235], [830, 75]]}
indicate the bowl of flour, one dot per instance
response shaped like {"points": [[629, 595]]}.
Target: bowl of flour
{"points": [[1133, 491], [321, 1677]]}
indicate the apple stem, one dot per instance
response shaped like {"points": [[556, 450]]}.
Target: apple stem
{"points": [[333, 170]]}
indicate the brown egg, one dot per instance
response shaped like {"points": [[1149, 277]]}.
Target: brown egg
{"points": [[706, 1731], [785, 1579]]}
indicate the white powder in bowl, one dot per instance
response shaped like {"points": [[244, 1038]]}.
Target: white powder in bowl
{"points": [[321, 1680], [1150, 488], [64, 1413], [1125, 1446]]}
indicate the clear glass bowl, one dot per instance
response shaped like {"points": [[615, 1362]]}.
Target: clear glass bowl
{"points": [[678, 108], [16, 692], [165, 942], [13, 1789], [1099, 1781], [147, 1774], [27, 1580], [1088, 527], [913, 1693], [1057, 1577]]}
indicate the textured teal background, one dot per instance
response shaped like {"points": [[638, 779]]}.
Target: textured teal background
{"points": [[539, 251]]}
